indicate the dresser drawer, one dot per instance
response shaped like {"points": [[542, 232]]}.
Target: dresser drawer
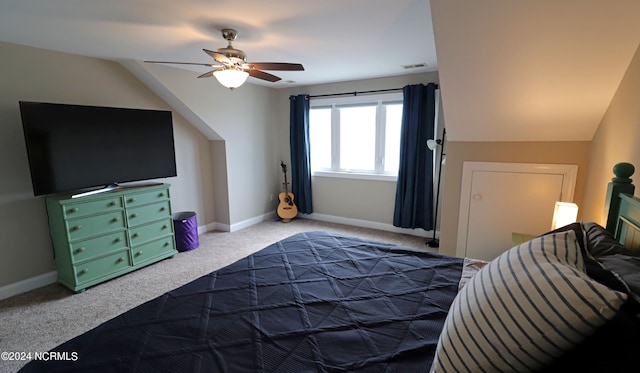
{"points": [[87, 249], [152, 249], [143, 233], [76, 210], [93, 235], [139, 199], [101, 267], [148, 213], [95, 225]]}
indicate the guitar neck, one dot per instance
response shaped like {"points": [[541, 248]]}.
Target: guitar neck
{"points": [[284, 171]]}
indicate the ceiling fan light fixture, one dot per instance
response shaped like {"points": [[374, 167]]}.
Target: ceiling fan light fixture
{"points": [[230, 66], [231, 78]]}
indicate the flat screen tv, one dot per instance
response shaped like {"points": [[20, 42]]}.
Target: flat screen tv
{"points": [[76, 147]]}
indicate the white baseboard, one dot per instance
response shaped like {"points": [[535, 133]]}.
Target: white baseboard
{"points": [[253, 221], [51, 277], [207, 228], [221, 227], [315, 216], [29, 284], [368, 224]]}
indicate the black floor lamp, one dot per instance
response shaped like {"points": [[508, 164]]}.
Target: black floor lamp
{"points": [[432, 144]]}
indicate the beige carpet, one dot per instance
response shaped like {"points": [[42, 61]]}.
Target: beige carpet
{"points": [[43, 318]]}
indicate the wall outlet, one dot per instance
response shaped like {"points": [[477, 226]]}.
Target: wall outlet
{"points": [[271, 197]]}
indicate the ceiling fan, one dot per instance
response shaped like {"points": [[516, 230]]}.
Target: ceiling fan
{"points": [[231, 67]]}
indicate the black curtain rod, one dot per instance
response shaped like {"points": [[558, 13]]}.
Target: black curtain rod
{"points": [[355, 93]]}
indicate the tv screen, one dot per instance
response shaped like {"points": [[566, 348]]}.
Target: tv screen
{"points": [[74, 147]]}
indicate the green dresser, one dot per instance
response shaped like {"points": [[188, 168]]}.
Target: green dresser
{"points": [[98, 237]]}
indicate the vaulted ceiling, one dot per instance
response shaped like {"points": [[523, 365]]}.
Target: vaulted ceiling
{"points": [[335, 40], [534, 70], [509, 70]]}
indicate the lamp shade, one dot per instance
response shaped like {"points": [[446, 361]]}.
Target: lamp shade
{"points": [[432, 144], [231, 78], [564, 213]]}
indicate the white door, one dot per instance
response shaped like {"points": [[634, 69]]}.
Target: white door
{"points": [[505, 198]]}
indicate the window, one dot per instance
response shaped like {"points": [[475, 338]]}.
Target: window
{"points": [[356, 135]]}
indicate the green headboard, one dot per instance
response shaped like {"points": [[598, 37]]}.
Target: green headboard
{"points": [[628, 226], [622, 208]]}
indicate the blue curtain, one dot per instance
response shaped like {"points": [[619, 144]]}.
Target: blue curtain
{"points": [[414, 189], [300, 153]]}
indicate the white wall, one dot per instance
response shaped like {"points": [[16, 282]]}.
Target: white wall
{"points": [[40, 75]]}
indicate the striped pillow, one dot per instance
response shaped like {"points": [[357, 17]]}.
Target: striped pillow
{"points": [[524, 309]]}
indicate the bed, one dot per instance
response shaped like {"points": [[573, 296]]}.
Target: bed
{"points": [[324, 302]]}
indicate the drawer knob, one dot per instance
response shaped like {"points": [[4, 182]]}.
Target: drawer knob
{"points": [[120, 260], [75, 209], [161, 195], [116, 219], [136, 235], [134, 216], [139, 253], [84, 271], [162, 209], [77, 227], [164, 226], [166, 244], [81, 250], [111, 204], [132, 199], [117, 239]]}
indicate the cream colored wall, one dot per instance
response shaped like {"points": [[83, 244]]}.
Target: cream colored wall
{"points": [[368, 200], [348, 198], [518, 152], [220, 181], [242, 118], [211, 189], [40, 75], [616, 140]]}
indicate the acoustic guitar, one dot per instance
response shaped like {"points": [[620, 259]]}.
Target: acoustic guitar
{"points": [[287, 210]]}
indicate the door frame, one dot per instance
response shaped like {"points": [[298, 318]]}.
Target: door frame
{"points": [[568, 171]]}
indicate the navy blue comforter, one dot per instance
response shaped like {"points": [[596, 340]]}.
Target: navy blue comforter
{"points": [[314, 302]]}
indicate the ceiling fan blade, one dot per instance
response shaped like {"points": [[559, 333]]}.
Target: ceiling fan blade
{"points": [[209, 74], [183, 63], [262, 75], [283, 66], [219, 57]]}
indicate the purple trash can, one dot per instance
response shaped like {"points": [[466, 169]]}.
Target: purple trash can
{"points": [[185, 225]]}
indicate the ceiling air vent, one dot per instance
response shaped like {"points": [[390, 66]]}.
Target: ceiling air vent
{"points": [[415, 66]]}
